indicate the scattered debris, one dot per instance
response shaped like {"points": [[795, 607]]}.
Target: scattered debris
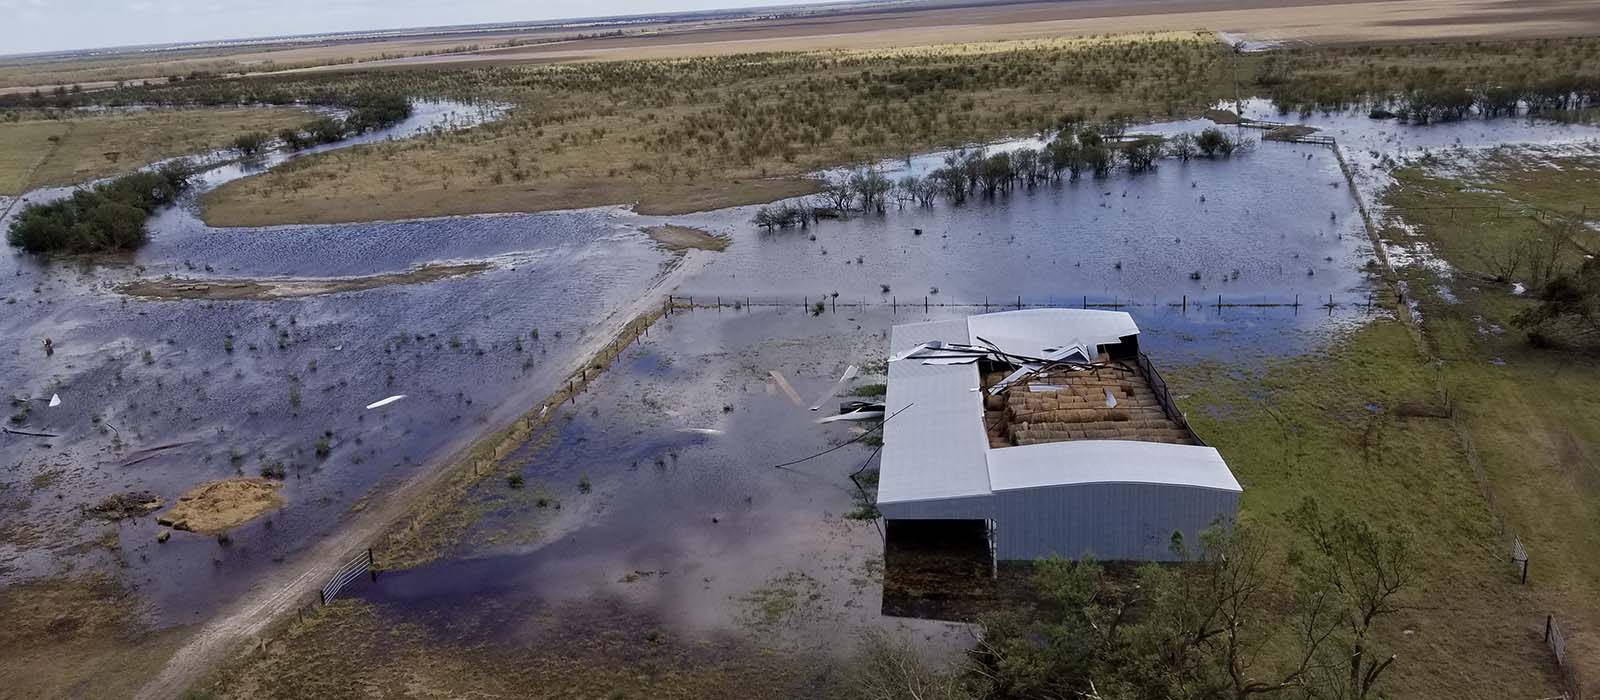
{"points": [[26, 433], [701, 431], [152, 452], [132, 504], [55, 400], [849, 374], [788, 389], [384, 402], [218, 505], [856, 410]]}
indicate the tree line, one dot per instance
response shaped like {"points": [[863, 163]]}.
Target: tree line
{"points": [[1239, 618], [1072, 153]]}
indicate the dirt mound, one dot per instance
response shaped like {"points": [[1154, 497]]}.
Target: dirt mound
{"points": [[218, 505], [674, 237], [128, 505]]}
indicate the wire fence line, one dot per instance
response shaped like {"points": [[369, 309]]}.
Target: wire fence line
{"points": [[1368, 302]]}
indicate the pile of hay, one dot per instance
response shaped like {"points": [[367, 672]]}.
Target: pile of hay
{"points": [[219, 505]]}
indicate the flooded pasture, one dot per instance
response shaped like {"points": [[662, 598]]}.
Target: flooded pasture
{"points": [[660, 488], [656, 490]]}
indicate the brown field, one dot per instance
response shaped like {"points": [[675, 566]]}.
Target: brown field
{"points": [[1297, 21], [862, 27], [67, 151]]}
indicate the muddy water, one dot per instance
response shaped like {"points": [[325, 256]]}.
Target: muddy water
{"points": [[135, 375], [685, 517], [1268, 224], [236, 387]]}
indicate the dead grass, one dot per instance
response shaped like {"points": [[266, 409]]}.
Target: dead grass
{"points": [[220, 505], [266, 289], [675, 137], [77, 637], [353, 650], [86, 148]]}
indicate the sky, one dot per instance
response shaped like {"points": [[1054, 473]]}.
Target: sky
{"points": [[31, 26]]}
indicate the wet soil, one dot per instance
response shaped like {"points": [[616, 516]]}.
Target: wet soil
{"points": [[265, 289], [672, 237]]}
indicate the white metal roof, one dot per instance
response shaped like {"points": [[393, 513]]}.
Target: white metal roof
{"points": [[938, 448], [1108, 461], [935, 448]]}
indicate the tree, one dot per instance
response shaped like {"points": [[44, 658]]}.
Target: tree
{"points": [[1569, 304], [870, 185], [838, 192], [250, 143], [1223, 624]]}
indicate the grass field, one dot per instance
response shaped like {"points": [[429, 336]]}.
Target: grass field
{"points": [[685, 135], [1532, 413], [679, 136], [71, 150]]}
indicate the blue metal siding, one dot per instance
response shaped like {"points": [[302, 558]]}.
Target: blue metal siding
{"points": [[1112, 521]]}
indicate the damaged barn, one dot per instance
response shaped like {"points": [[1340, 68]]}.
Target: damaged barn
{"points": [[1043, 432]]}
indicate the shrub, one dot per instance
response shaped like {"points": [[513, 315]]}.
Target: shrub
{"points": [[109, 217]]}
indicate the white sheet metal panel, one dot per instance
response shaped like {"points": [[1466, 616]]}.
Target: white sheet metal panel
{"points": [[1108, 461], [1112, 521], [934, 449], [959, 508], [1030, 331]]}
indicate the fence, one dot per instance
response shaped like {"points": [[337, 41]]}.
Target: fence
{"points": [[351, 571], [1184, 302], [1554, 637], [1159, 385]]}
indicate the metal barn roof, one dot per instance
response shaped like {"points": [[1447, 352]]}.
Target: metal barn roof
{"points": [[938, 448]]}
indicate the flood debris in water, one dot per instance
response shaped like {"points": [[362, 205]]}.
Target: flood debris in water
{"points": [[286, 288], [384, 402], [219, 505], [131, 504], [674, 237]]}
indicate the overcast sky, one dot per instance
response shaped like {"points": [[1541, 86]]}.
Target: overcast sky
{"points": [[28, 26]]}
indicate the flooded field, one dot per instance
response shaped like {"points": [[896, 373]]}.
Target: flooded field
{"points": [[656, 492]]}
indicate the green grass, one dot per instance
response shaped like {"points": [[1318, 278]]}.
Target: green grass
{"points": [[1347, 427], [1533, 414]]}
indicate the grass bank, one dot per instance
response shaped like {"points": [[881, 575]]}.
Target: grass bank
{"points": [[47, 152]]}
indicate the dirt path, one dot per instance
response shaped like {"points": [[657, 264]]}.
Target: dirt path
{"points": [[277, 596]]}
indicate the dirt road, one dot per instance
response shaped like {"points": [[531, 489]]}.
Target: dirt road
{"points": [[279, 595]]}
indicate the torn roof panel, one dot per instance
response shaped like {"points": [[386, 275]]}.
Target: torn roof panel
{"points": [[938, 448]]}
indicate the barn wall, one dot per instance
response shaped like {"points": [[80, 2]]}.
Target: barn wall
{"points": [[1111, 521], [964, 508]]}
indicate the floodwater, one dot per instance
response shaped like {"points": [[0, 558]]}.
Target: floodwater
{"points": [[243, 385], [660, 490], [247, 384]]}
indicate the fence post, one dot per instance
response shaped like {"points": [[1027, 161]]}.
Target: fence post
{"points": [[1547, 621], [1186, 303], [1019, 301], [1085, 301], [371, 571]]}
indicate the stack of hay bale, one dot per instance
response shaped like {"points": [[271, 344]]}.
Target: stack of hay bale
{"points": [[1074, 407]]}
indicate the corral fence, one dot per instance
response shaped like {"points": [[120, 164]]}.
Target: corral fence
{"points": [[831, 303], [352, 570], [1158, 384], [1557, 640]]}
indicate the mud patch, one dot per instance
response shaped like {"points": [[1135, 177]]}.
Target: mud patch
{"points": [[673, 237], [286, 288], [132, 504], [220, 505]]}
